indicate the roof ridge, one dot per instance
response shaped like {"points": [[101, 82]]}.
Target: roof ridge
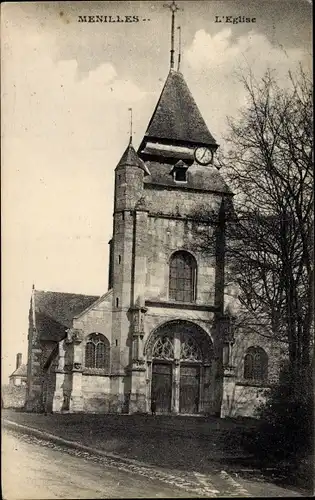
{"points": [[66, 293], [97, 301]]}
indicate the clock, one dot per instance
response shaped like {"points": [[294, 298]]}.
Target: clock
{"points": [[203, 155]]}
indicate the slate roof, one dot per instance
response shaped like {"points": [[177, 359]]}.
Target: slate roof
{"points": [[130, 158], [201, 178], [176, 116], [21, 371], [54, 312]]}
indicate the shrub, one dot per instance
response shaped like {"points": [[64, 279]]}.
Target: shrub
{"points": [[285, 431]]}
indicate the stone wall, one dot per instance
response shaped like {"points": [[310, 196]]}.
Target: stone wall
{"points": [[244, 340], [95, 390], [97, 318], [242, 400], [166, 236], [50, 385], [168, 201], [34, 368], [13, 396], [241, 397]]}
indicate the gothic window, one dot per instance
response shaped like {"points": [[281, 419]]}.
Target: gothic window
{"points": [[97, 352], [182, 279], [163, 348], [189, 350], [256, 364]]}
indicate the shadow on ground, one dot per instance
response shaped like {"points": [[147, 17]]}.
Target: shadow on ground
{"points": [[296, 472]]}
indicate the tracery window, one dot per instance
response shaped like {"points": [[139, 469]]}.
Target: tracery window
{"points": [[182, 278], [97, 352], [256, 364], [163, 348], [189, 350]]}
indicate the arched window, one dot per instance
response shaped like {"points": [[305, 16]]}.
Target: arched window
{"points": [[97, 352], [256, 364], [182, 280]]}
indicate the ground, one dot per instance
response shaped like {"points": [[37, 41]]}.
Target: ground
{"points": [[199, 455], [43, 473]]}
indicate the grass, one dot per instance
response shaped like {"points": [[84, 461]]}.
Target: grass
{"points": [[170, 442]]}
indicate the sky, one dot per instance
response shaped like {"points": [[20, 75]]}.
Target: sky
{"points": [[65, 90]]}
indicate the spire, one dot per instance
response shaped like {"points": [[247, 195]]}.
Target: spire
{"points": [[173, 7], [130, 135], [179, 47], [131, 159], [176, 117]]}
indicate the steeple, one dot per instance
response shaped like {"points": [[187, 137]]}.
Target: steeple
{"points": [[176, 121], [131, 159], [173, 7], [131, 132], [176, 118], [179, 47]]}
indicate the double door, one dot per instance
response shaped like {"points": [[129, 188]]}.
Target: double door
{"points": [[189, 387]]}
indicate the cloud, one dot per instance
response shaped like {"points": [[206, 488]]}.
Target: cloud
{"points": [[215, 61], [63, 134]]}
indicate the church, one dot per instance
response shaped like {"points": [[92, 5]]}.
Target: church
{"points": [[164, 330]]}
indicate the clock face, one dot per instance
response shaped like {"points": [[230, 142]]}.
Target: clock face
{"points": [[203, 155]]}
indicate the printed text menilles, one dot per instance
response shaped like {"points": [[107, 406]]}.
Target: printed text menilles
{"points": [[110, 19]]}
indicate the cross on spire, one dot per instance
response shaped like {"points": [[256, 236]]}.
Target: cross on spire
{"points": [[173, 8]]}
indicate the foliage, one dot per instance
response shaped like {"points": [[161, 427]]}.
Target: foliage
{"points": [[269, 165], [284, 437]]}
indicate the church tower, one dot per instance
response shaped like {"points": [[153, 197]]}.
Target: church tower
{"points": [[128, 270], [167, 263], [160, 338]]}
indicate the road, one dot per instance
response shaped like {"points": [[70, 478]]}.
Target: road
{"points": [[30, 471], [35, 468]]}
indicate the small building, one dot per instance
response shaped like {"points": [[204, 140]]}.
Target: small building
{"points": [[13, 394], [19, 376]]}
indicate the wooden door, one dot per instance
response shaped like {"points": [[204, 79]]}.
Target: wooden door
{"points": [[189, 389], [161, 389]]}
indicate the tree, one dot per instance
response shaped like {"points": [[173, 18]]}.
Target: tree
{"points": [[269, 166]]}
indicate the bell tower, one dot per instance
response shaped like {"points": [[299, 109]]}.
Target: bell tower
{"points": [[167, 195]]}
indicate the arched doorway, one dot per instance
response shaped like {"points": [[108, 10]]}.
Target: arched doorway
{"points": [[179, 356]]}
